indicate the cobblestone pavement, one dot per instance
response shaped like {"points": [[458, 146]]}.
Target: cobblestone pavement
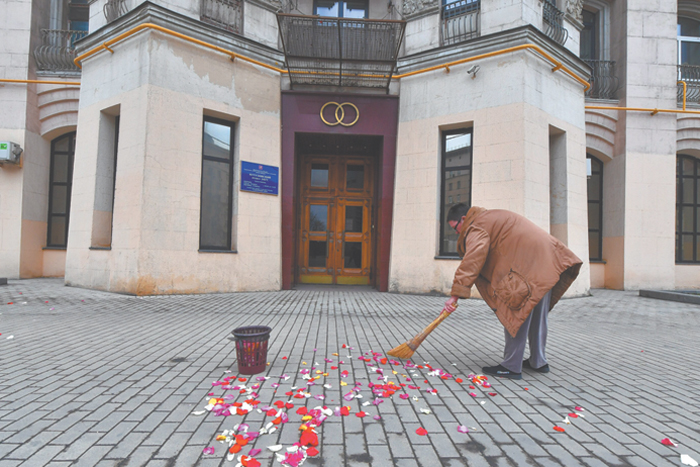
{"points": [[93, 378]]}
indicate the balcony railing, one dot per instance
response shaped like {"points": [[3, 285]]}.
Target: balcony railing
{"points": [[226, 14], [113, 9], [57, 50], [459, 21], [553, 22], [691, 75], [340, 51], [604, 82]]}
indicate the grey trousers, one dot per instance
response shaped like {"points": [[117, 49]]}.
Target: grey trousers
{"points": [[533, 329]]}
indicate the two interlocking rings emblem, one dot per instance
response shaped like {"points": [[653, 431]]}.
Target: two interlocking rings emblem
{"points": [[340, 114]]}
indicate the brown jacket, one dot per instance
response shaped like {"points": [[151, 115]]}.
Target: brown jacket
{"points": [[513, 263]]}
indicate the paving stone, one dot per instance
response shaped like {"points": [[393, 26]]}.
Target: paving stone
{"points": [[129, 400]]}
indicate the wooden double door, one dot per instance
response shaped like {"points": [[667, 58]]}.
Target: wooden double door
{"points": [[335, 225]]}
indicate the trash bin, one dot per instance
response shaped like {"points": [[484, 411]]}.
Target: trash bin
{"points": [[251, 348]]}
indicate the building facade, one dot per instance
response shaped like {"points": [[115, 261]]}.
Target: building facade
{"points": [[193, 146]]}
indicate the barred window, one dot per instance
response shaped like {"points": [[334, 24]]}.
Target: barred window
{"points": [[60, 186], [595, 209], [688, 210]]}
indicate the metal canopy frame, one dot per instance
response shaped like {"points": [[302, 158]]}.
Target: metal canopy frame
{"points": [[340, 51]]}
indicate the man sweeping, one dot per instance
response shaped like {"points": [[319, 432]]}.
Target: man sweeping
{"points": [[521, 272]]}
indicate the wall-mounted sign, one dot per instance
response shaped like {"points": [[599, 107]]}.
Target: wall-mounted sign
{"points": [[259, 178], [336, 114]]}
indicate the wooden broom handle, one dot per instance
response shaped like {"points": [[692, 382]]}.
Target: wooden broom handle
{"points": [[416, 341]]}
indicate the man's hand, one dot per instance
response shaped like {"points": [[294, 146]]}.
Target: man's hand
{"points": [[450, 304]]}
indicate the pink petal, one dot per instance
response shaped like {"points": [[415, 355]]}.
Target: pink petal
{"points": [[208, 451], [462, 429]]}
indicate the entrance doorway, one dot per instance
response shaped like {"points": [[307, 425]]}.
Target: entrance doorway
{"points": [[335, 226]]}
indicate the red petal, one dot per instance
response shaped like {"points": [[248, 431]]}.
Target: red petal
{"points": [[559, 429], [288, 393], [492, 394], [312, 452], [345, 410], [332, 368], [271, 413], [302, 410], [279, 404], [289, 405], [360, 414], [242, 380], [573, 415], [241, 411], [253, 463], [459, 380], [421, 431]]}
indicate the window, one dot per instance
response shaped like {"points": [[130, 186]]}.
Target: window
{"points": [[60, 184], [357, 9], [456, 166], [688, 210], [217, 185], [688, 41], [595, 208], [589, 36]]}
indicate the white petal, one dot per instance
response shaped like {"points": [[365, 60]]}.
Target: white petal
{"points": [[566, 420], [199, 412], [425, 411], [366, 403], [687, 460]]}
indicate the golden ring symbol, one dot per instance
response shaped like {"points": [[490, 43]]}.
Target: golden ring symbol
{"points": [[340, 114]]}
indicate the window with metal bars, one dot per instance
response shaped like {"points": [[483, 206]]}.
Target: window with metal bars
{"points": [[595, 209], [688, 210], [60, 186]]}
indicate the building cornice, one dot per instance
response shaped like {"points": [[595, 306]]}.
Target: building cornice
{"points": [[527, 34], [415, 9], [149, 12]]}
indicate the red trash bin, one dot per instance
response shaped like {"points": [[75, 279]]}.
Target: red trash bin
{"points": [[251, 348]]}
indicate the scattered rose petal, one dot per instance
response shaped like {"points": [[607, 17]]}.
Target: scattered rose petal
{"points": [[199, 412], [566, 420], [404, 396], [668, 442], [573, 415], [208, 451], [462, 429], [492, 394], [580, 409], [377, 417], [687, 460], [275, 448], [473, 394], [361, 414], [421, 431], [559, 429], [426, 411], [312, 452]]}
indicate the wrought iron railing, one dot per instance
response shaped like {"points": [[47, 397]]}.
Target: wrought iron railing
{"points": [[226, 14], [340, 51], [113, 9], [459, 21], [553, 22], [57, 50], [604, 83], [691, 75]]}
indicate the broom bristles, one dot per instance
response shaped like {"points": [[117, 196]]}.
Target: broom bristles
{"points": [[406, 350]]}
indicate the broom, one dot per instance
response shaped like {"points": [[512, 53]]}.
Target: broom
{"points": [[405, 351]]}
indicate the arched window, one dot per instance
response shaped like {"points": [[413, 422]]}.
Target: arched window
{"points": [[60, 185], [688, 210], [595, 208]]}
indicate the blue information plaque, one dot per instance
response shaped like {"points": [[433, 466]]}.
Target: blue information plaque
{"points": [[259, 178]]}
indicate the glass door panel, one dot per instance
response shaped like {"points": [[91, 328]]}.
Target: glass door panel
{"points": [[354, 260], [316, 263]]}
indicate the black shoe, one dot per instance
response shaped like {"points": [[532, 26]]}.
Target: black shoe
{"points": [[542, 369], [501, 372]]}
